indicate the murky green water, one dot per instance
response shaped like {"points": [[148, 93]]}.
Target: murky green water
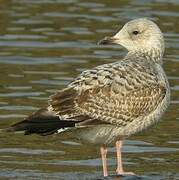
{"points": [[44, 44]]}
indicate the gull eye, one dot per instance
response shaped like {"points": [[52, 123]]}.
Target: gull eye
{"points": [[135, 32]]}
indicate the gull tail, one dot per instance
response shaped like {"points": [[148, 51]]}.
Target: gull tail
{"points": [[41, 122]]}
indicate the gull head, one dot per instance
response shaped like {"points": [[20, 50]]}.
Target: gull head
{"points": [[138, 34]]}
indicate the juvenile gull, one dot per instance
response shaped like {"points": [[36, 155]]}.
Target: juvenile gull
{"points": [[107, 104]]}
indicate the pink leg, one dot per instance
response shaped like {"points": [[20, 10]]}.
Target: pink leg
{"points": [[103, 150], [120, 170]]}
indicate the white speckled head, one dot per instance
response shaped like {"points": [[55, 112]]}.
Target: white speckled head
{"points": [[139, 34]]}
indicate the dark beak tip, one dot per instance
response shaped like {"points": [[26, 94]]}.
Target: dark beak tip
{"points": [[104, 41]]}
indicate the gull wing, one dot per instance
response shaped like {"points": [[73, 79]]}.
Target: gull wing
{"points": [[109, 94]]}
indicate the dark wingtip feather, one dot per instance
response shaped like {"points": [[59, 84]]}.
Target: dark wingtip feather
{"points": [[41, 122]]}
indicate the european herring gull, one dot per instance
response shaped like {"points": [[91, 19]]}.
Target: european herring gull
{"points": [[111, 102]]}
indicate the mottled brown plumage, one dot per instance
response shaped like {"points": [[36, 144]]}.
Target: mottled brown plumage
{"points": [[126, 92]]}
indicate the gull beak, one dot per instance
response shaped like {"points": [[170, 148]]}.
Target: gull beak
{"points": [[107, 40]]}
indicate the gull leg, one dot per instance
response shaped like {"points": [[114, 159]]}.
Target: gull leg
{"points": [[103, 150], [120, 170]]}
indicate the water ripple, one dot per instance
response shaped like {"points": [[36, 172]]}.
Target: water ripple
{"points": [[29, 151]]}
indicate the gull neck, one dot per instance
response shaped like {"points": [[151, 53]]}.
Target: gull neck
{"points": [[154, 54]]}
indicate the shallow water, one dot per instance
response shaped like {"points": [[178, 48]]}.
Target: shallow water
{"points": [[44, 44]]}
